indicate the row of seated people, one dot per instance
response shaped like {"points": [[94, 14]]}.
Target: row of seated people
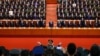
{"points": [[23, 23], [51, 50], [32, 9], [22, 4], [14, 4], [77, 16], [78, 23], [60, 23], [24, 15], [79, 3], [77, 9]]}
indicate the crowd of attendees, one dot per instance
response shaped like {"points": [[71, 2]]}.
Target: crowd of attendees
{"points": [[79, 11], [22, 13], [51, 50], [25, 9], [23, 23], [70, 13]]}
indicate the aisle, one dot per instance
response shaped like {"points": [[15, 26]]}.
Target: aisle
{"points": [[51, 14]]}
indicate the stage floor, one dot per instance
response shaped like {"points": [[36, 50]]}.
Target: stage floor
{"points": [[30, 42]]}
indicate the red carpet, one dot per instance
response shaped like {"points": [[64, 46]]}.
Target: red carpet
{"points": [[51, 13], [30, 42]]}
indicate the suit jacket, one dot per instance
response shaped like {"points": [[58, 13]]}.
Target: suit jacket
{"points": [[82, 23], [51, 24], [21, 24], [59, 24], [11, 24], [0, 24], [63, 24], [40, 23], [97, 23]]}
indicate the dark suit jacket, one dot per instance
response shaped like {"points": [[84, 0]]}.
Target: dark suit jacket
{"points": [[51, 24], [40, 23], [82, 23]]}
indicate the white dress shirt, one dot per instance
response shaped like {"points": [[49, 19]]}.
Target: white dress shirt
{"points": [[10, 13], [74, 4]]}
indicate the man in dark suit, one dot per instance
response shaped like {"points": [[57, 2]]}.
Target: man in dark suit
{"points": [[82, 23], [32, 24], [35, 16], [11, 23], [20, 23], [59, 24], [40, 23], [6, 23], [1, 16], [51, 24], [63, 24], [97, 22], [0, 23]]}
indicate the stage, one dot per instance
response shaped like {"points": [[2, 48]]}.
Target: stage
{"points": [[28, 37]]}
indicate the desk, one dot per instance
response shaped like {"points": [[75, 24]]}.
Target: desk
{"points": [[50, 32]]}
